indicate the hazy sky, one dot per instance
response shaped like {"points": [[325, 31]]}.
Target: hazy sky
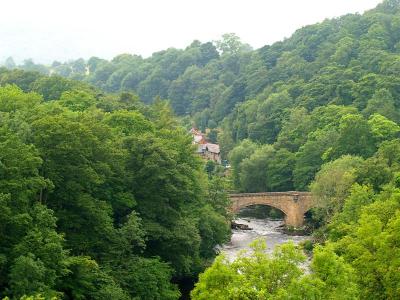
{"points": [[48, 30]]}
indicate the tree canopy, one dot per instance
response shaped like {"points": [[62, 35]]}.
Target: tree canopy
{"points": [[101, 197]]}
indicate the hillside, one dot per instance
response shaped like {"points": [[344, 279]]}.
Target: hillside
{"points": [[103, 197], [273, 95], [221, 74]]}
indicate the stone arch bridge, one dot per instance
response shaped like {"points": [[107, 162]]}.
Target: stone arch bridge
{"points": [[293, 204]]}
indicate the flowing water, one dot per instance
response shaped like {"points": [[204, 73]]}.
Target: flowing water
{"points": [[266, 229]]}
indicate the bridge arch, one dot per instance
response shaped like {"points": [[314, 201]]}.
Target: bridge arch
{"points": [[248, 204], [292, 204]]}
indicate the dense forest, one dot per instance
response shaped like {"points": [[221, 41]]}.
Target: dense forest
{"points": [[292, 94], [103, 198]]}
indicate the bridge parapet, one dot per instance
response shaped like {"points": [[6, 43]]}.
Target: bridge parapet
{"points": [[290, 193]]}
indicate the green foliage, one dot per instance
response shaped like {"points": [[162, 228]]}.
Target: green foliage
{"points": [[258, 275], [382, 103], [145, 278], [295, 130], [210, 167], [51, 88], [129, 122], [355, 137], [22, 79], [267, 170], [77, 100], [332, 183], [360, 196], [368, 246], [311, 156], [114, 182], [133, 204], [382, 128], [250, 277], [285, 94], [231, 44], [337, 276], [86, 279], [361, 227], [244, 150], [252, 169], [12, 98]]}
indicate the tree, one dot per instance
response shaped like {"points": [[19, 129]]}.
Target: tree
{"points": [[267, 170], [22, 79], [294, 130], [280, 171], [382, 103], [169, 189], [212, 136], [51, 88], [332, 184], [29, 244], [231, 44], [39, 258], [355, 137], [383, 128], [368, 247], [129, 122], [12, 98], [253, 170], [208, 52], [389, 151], [145, 278], [374, 172], [260, 275], [92, 163], [9, 63], [311, 156], [78, 160], [359, 196], [244, 150], [277, 276], [270, 114], [86, 279], [344, 50], [77, 100]]}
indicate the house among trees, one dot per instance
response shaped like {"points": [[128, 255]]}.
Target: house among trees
{"points": [[212, 152], [206, 150]]}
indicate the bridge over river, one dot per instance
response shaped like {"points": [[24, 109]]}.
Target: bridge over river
{"points": [[293, 204]]}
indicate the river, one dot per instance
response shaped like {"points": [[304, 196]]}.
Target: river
{"points": [[266, 229]]}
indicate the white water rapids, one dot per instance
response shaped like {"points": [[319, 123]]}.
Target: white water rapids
{"points": [[266, 229]]}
